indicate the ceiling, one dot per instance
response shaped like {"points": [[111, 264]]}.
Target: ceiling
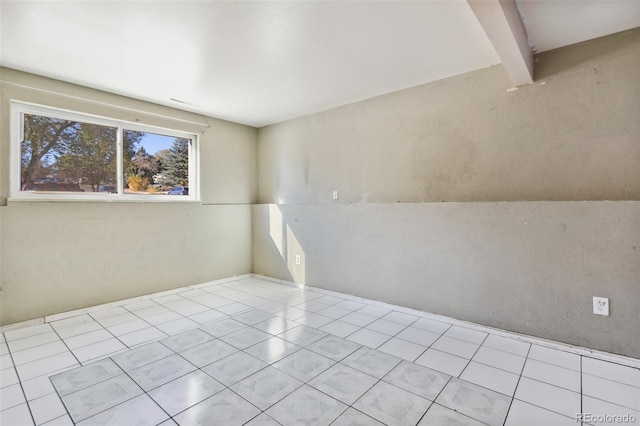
{"points": [[258, 63]]}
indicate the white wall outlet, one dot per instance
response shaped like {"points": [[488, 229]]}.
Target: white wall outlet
{"points": [[298, 259], [601, 306], [335, 194]]}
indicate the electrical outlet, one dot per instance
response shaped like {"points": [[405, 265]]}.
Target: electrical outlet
{"points": [[601, 306], [335, 194], [298, 259]]}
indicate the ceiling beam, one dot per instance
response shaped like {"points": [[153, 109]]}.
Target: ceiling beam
{"points": [[501, 21]]}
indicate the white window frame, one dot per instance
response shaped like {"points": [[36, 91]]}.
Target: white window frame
{"points": [[17, 111]]}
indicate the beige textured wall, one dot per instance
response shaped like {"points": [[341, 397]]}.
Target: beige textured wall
{"points": [[468, 138], [530, 264], [58, 256], [529, 267]]}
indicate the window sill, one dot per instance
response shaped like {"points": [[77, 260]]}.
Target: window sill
{"points": [[118, 199]]}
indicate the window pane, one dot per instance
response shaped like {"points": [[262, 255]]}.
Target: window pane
{"points": [[155, 164], [68, 156]]}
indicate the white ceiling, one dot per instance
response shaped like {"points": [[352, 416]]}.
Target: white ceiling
{"points": [[259, 63]]}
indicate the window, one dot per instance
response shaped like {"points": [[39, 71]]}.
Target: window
{"points": [[67, 155]]}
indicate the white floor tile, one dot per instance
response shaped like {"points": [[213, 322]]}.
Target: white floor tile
{"points": [[87, 338], [108, 313], [311, 306], [271, 307], [163, 318], [456, 347], [47, 408], [18, 416], [552, 374], [418, 335], [128, 327], [276, 325], [547, 396], [369, 338], [233, 308], [555, 357], [151, 310], [611, 371], [225, 404], [431, 325], [98, 350], [339, 328], [417, 379], [208, 352], [60, 421], [334, 347], [304, 365], [142, 336], [490, 378], [272, 350], [5, 361], [548, 392], [402, 349], [329, 300], [466, 334], [475, 401], [383, 326], [8, 377], [72, 321], [358, 319], [159, 372], [374, 311], [321, 408], [194, 294], [21, 333], [350, 305], [505, 344], [343, 383], [140, 305], [207, 316], [599, 407], [291, 313], [174, 327], [400, 318], [614, 392], [392, 405], [31, 341], [314, 320], [35, 388], [46, 366], [443, 362], [88, 324], [187, 307], [123, 317], [163, 300], [524, 414], [438, 415], [302, 335], [137, 411], [233, 368], [10, 396], [499, 359], [266, 387], [217, 302], [186, 391], [333, 312]]}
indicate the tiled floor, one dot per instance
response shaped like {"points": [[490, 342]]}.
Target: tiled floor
{"points": [[254, 352]]}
